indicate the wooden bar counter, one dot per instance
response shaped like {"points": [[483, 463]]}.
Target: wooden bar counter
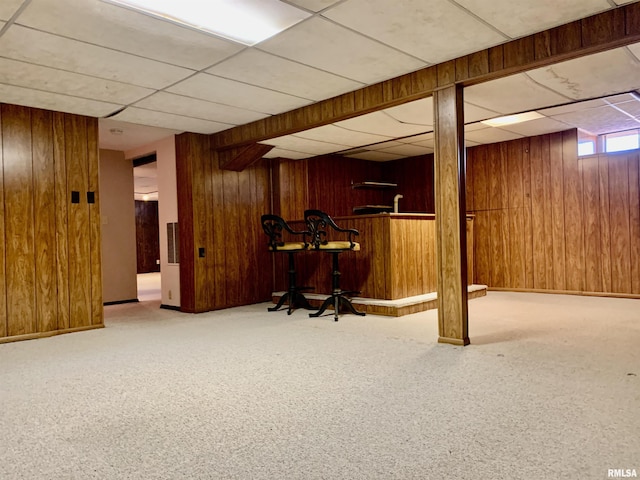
{"points": [[397, 257]]}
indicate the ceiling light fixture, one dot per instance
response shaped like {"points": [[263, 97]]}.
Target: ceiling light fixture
{"points": [[512, 119], [245, 21]]}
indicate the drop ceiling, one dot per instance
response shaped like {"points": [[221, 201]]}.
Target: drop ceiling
{"points": [[150, 78]]}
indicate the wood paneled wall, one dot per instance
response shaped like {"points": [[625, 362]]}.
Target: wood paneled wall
{"points": [[325, 183], [147, 237], [50, 263], [548, 220], [224, 261]]}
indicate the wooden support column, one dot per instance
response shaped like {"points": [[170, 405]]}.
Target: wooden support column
{"points": [[451, 236]]}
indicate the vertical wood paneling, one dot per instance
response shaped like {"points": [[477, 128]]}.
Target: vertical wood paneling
{"points": [[19, 220], [569, 224], [573, 221], [634, 220], [45, 226], [557, 211], [218, 226], [93, 164], [47, 284], [605, 227], [79, 228], [620, 230], [592, 225], [185, 183], [61, 219], [3, 285]]}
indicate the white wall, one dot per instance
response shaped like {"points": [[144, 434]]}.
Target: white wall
{"points": [[117, 212], [165, 151]]}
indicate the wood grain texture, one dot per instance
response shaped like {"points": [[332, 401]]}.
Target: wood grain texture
{"points": [[610, 29], [3, 285], [47, 286], [450, 216], [581, 234], [225, 208], [45, 226], [61, 216], [78, 221], [147, 236], [95, 237], [19, 226]]}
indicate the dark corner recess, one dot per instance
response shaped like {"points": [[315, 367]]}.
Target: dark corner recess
{"points": [[201, 252], [75, 197], [91, 197]]}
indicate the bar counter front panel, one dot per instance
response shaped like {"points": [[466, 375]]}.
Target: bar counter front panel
{"points": [[397, 257]]}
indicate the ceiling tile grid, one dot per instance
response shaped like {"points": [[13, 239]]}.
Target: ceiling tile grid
{"points": [[8, 8], [203, 109], [305, 145], [55, 101], [597, 75], [32, 46], [101, 23], [269, 71], [227, 92], [13, 72], [169, 120], [431, 30], [321, 44], [314, 5], [517, 18], [127, 136]]}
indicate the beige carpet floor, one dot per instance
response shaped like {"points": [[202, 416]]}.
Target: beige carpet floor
{"points": [[549, 389]]}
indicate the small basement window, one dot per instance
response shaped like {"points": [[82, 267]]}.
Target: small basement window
{"points": [[619, 142]]}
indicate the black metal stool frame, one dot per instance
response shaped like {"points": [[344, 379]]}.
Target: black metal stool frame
{"points": [[273, 225], [317, 221]]}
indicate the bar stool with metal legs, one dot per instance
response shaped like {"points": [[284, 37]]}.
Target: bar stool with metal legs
{"points": [[273, 226], [317, 222]]}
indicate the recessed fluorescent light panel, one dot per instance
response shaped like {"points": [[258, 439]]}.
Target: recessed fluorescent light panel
{"points": [[512, 119], [244, 21]]}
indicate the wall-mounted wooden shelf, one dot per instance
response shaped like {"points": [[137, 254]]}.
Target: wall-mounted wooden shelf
{"points": [[374, 185], [371, 209]]}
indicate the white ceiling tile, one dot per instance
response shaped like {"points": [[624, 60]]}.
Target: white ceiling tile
{"points": [[323, 44], [2, 24], [168, 120], [622, 98], [55, 101], [381, 124], [415, 139], [473, 113], [599, 120], [518, 18], [383, 145], [469, 143], [513, 94], [632, 108], [408, 150], [22, 74], [623, 2], [123, 29], [314, 5], [572, 107], [376, 156], [31, 46], [283, 153], [606, 73], [342, 136], [132, 136], [472, 127], [268, 71], [432, 30], [305, 145], [221, 90], [419, 112], [491, 135], [539, 126], [8, 8], [192, 107]]}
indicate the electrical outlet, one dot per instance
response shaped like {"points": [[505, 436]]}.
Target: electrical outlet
{"points": [[169, 294]]}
